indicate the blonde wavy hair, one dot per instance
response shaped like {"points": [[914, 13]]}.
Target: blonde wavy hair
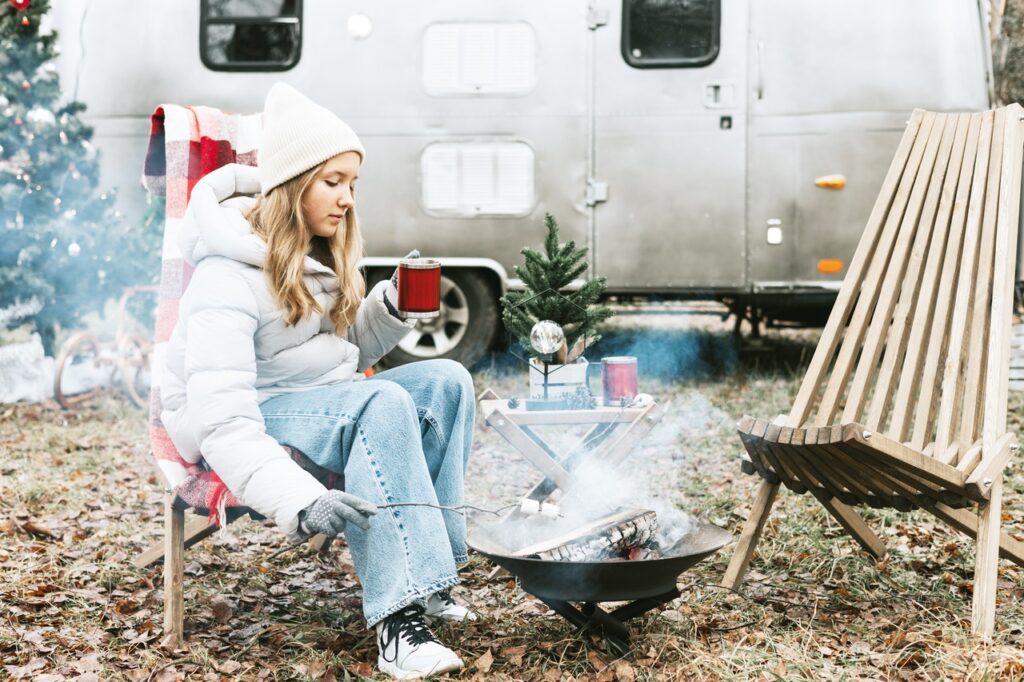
{"points": [[278, 218]]}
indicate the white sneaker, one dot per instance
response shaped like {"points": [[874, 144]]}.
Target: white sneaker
{"points": [[408, 649], [441, 606]]}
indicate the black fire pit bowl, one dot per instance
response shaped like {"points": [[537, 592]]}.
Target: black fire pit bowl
{"points": [[598, 581]]}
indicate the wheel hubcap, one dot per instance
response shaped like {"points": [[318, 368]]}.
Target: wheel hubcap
{"points": [[434, 337]]}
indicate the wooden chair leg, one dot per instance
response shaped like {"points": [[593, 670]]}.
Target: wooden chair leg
{"points": [[983, 616], [174, 571], [751, 534], [853, 524], [197, 528], [319, 544], [966, 522]]}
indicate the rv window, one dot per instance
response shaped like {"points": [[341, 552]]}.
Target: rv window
{"points": [[250, 35], [471, 179], [670, 33], [479, 58]]}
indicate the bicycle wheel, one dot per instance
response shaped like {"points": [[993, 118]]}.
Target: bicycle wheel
{"points": [[79, 357], [134, 355]]}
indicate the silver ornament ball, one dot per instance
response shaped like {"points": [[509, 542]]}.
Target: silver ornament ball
{"points": [[546, 337]]}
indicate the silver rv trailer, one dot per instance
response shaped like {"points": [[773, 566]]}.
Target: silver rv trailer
{"points": [[700, 148]]}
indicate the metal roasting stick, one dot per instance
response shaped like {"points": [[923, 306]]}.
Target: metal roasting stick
{"points": [[458, 509]]}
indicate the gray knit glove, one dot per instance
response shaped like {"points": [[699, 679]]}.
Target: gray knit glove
{"points": [[332, 510]]}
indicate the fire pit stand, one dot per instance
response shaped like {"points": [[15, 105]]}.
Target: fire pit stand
{"points": [[575, 589], [609, 624]]}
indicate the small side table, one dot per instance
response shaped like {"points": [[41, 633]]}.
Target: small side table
{"points": [[606, 439]]}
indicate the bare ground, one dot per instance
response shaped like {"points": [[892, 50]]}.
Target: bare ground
{"points": [[78, 500]]}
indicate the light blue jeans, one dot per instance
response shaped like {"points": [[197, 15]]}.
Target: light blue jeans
{"points": [[403, 435]]}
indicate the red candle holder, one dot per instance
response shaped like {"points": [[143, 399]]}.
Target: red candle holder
{"points": [[618, 379], [419, 288]]}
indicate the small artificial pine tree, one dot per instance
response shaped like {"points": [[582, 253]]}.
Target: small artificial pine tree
{"points": [[545, 276], [64, 250]]}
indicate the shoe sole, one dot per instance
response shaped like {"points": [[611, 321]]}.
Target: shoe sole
{"points": [[433, 620], [398, 673]]}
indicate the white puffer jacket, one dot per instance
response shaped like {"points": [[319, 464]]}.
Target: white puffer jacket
{"points": [[231, 350]]}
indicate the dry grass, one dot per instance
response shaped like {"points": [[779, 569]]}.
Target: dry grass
{"points": [[78, 501]]}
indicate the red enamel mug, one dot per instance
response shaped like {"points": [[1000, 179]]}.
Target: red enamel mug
{"points": [[618, 379], [419, 288]]}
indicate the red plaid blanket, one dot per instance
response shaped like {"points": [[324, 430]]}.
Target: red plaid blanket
{"points": [[186, 143]]}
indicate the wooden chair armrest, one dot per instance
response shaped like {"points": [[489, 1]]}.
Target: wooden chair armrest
{"points": [[993, 460]]}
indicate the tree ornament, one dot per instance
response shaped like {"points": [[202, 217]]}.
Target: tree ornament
{"points": [[40, 116], [20, 5], [74, 249], [25, 85], [18, 121], [25, 22], [63, 137]]}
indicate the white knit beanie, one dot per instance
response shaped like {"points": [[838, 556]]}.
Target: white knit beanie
{"points": [[299, 134]]}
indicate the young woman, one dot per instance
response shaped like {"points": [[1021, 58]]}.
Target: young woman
{"points": [[273, 334]]}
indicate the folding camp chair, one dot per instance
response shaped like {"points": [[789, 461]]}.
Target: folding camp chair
{"points": [[185, 144], [904, 402]]}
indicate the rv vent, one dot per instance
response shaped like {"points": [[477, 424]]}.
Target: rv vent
{"points": [[479, 58], [469, 179]]}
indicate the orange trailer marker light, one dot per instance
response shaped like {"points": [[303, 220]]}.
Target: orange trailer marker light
{"points": [[830, 266], [831, 182]]}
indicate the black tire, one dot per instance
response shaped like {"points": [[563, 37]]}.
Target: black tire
{"points": [[466, 328]]}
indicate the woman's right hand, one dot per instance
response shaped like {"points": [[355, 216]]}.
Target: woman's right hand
{"points": [[333, 510]]}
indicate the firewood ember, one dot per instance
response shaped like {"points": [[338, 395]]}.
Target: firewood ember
{"points": [[610, 537], [644, 553]]}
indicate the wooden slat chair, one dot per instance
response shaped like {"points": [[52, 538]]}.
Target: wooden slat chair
{"points": [[904, 402], [185, 144]]}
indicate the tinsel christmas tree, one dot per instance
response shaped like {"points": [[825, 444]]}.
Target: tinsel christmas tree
{"points": [[546, 276], [64, 249]]}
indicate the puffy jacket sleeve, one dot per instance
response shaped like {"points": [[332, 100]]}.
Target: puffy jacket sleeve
{"points": [[222, 405], [375, 331]]}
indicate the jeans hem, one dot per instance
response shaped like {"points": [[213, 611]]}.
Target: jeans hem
{"points": [[410, 597]]}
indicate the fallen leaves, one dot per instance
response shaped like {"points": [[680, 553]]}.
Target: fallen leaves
{"points": [[483, 663], [222, 609], [71, 604], [38, 529], [20, 672]]}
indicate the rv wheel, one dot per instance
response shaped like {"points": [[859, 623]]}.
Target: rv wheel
{"points": [[463, 331]]}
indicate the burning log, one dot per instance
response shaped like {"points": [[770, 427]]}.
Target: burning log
{"points": [[611, 536]]}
